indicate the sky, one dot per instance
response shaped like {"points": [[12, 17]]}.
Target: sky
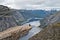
{"points": [[31, 4]]}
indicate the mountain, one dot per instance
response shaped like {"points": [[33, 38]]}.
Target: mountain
{"points": [[13, 17], [9, 18], [32, 14], [36, 13]]}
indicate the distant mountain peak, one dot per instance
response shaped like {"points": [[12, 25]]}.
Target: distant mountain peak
{"points": [[3, 9]]}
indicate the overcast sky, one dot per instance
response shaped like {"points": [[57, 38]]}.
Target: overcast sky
{"points": [[31, 4]]}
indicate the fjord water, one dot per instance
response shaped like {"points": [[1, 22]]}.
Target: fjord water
{"points": [[33, 31]]}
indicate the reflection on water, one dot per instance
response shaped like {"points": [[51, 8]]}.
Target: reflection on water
{"points": [[31, 33]]}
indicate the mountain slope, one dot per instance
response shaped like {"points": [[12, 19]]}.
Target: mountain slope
{"points": [[36, 13], [9, 18], [52, 31]]}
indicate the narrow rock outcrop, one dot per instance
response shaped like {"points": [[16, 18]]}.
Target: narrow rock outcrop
{"points": [[14, 33]]}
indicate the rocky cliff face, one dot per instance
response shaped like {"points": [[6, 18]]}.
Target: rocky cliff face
{"points": [[3, 8], [9, 18], [51, 32]]}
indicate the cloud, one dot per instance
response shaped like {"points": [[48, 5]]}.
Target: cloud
{"points": [[31, 4], [2, 1]]}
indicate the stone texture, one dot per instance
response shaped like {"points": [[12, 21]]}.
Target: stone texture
{"points": [[14, 33]]}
